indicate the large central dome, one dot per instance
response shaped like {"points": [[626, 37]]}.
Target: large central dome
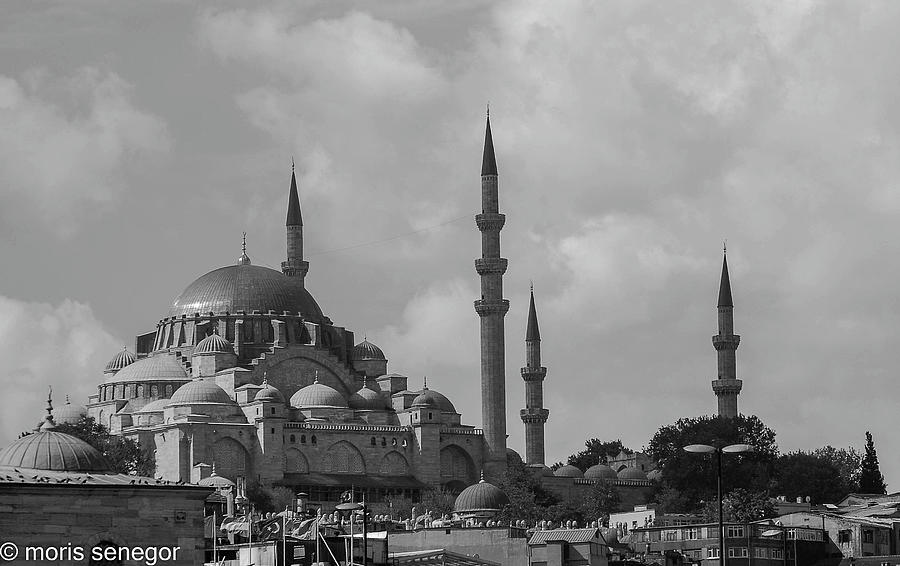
{"points": [[246, 288]]}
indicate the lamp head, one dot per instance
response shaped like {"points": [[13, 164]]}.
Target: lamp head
{"points": [[736, 448], [700, 448]]}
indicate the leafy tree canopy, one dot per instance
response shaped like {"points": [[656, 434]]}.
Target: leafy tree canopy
{"points": [[741, 506], [124, 455], [848, 462], [693, 476], [870, 478], [800, 474], [597, 452], [527, 498]]}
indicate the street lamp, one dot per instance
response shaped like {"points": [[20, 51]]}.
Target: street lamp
{"points": [[730, 449], [354, 507]]}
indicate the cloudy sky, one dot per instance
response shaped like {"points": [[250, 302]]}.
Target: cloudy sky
{"points": [[139, 140]]}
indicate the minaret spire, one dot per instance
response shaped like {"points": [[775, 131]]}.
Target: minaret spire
{"points": [[491, 309], [295, 266], [534, 415], [244, 259], [727, 387]]}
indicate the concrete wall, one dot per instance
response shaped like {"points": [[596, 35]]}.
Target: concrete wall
{"points": [[494, 544]]}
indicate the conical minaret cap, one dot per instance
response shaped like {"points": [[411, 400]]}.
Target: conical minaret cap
{"points": [[725, 286], [532, 333], [488, 161], [294, 218]]}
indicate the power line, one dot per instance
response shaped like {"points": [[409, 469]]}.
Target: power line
{"points": [[397, 237]]}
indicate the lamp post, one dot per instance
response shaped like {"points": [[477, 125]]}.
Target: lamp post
{"points": [[357, 507], [730, 449]]}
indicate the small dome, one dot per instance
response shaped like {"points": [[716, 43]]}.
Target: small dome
{"points": [[216, 481], [318, 395], [632, 474], [365, 350], [199, 391], [431, 398], [69, 413], [600, 472], [367, 399], [51, 450], [482, 496], [120, 360], [213, 344], [268, 393], [541, 470], [512, 456], [568, 472], [654, 475], [164, 367], [154, 406]]}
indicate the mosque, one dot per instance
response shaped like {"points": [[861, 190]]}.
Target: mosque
{"points": [[247, 377]]}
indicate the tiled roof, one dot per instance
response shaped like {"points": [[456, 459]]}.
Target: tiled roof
{"points": [[567, 535]]}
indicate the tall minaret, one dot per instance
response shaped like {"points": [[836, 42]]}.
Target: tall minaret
{"points": [[534, 415], [294, 266], [728, 386], [492, 308]]}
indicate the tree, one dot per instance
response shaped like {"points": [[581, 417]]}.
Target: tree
{"points": [[124, 455], [438, 501], [597, 452], [602, 500], [870, 478], [848, 462], [741, 506], [528, 499], [800, 474], [694, 475]]}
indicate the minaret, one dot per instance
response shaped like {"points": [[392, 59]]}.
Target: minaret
{"points": [[728, 386], [534, 415], [294, 266], [492, 308]]}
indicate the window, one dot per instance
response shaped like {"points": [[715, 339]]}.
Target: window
{"points": [[273, 430], [293, 439], [844, 536], [712, 551], [737, 552], [393, 442], [868, 536], [302, 439], [313, 439], [691, 534], [734, 531], [669, 534], [383, 441], [777, 554], [759, 552], [273, 410], [374, 442]]}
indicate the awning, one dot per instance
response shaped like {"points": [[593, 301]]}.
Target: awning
{"points": [[440, 557], [354, 480]]}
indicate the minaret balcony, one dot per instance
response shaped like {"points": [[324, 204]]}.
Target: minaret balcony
{"points": [[727, 386], [489, 265], [487, 307], [726, 342], [534, 374], [534, 415], [490, 222]]}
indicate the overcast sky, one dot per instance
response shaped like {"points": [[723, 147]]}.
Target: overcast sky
{"points": [[140, 139]]}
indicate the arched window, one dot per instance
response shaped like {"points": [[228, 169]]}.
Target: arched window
{"points": [[154, 390], [293, 439], [393, 442], [313, 439], [302, 439], [273, 410], [383, 441], [139, 391], [374, 442]]}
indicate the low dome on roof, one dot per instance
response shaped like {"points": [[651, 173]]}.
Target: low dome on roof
{"points": [[431, 398], [200, 391], [69, 413], [120, 360], [213, 344], [163, 367], [541, 470], [654, 475], [51, 450], [216, 481], [568, 472], [365, 350], [268, 393], [318, 395], [482, 496], [367, 399], [512, 456], [600, 472], [154, 406], [632, 474]]}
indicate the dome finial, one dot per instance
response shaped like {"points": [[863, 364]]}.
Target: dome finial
{"points": [[244, 259], [48, 418], [482, 476], [425, 382], [67, 400], [265, 382], [317, 377]]}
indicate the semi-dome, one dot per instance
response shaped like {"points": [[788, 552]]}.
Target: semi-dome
{"points": [[162, 367], [631, 474], [51, 450], [200, 392], [600, 472], [366, 398], [246, 288], [568, 472], [318, 395], [482, 496], [365, 350], [213, 344], [70, 413], [120, 360], [268, 393], [154, 406], [431, 398]]}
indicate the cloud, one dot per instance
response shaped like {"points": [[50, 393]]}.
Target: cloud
{"points": [[63, 346], [65, 144]]}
